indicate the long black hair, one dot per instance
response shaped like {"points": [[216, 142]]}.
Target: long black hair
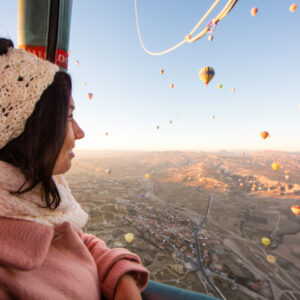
{"points": [[36, 150]]}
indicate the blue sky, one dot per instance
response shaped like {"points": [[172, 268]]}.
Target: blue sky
{"points": [[259, 56]]}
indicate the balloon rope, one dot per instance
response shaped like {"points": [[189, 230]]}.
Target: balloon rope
{"points": [[205, 16], [141, 41], [228, 7], [230, 4]]}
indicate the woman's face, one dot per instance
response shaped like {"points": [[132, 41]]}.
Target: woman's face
{"points": [[74, 132]]}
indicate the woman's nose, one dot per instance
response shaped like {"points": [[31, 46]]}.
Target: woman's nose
{"points": [[78, 132]]}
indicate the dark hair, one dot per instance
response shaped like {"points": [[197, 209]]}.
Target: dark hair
{"points": [[36, 150]]}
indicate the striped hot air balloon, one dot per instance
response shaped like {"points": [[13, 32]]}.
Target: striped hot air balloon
{"points": [[206, 74]]}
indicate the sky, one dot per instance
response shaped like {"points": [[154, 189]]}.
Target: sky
{"points": [[258, 56]]}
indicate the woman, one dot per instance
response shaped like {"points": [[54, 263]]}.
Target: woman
{"points": [[43, 252]]}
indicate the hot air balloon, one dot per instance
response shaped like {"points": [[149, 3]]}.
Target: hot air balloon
{"points": [[170, 121], [293, 7], [85, 84], [271, 259], [264, 134], [213, 117], [157, 127], [162, 71], [147, 176], [254, 11], [69, 52], [287, 177], [220, 86], [129, 237], [97, 170], [77, 63], [210, 38], [106, 133], [206, 74], [275, 166], [233, 90], [107, 171], [172, 85], [266, 241], [296, 210], [90, 95]]}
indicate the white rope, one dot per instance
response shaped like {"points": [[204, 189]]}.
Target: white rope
{"points": [[188, 38]]}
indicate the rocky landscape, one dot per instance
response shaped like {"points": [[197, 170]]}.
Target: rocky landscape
{"points": [[249, 201]]}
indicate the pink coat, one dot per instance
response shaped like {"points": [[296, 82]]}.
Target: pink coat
{"points": [[39, 262]]}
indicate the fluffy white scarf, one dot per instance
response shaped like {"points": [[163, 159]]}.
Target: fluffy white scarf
{"points": [[29, 206]]}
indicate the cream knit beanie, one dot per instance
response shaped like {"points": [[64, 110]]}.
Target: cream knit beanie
{"points": [[23, 79]]}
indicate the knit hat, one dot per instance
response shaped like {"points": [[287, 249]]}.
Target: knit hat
{"points": [[23, 79]]}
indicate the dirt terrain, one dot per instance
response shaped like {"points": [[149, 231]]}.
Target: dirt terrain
{"points": [[249, 201]]}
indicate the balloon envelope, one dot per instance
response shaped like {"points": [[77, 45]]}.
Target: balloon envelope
{"points": [[266, 241], [254, 11], [90, 95], [264, 134], [147, 175], [293, 7], [210, 38], [271, 259], [275, 166], [172, 85], [296, 210], [162, 71], [220, 86], [206, 74], [129, 237]]}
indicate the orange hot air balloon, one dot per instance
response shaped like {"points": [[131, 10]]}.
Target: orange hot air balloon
{"points": [[264, 134], [293, 7], [90, 95], [254, 11], [172, 85], [296, 210], [162, 71], [271, 259], [275, 166]]}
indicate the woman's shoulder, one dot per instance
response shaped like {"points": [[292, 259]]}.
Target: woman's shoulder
{"points": [[24, 244]]}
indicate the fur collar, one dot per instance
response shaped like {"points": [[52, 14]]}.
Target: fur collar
{"points": [[29, 206]]}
